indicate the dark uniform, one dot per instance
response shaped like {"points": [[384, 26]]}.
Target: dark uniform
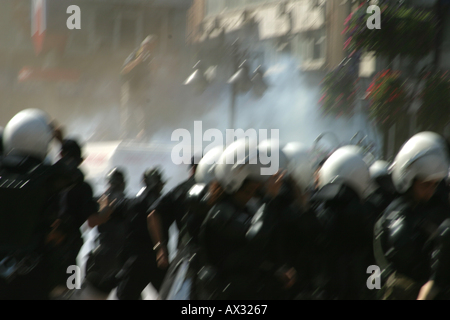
{"points": [[184, 268], [75, 205], [406, 245], [300, 240], [105, 261], [172, 207], [27, 188], [240, 252], [441, 261], [140, 266], [349, 227]]}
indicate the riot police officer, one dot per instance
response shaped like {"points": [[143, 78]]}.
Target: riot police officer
{"points": [[344, 183], [197, 203], [407, 239], [140, 267], [27, 189], [384, 190], [105, 261], [74, 206], [171, 208], [305, 235], [240, 260]]}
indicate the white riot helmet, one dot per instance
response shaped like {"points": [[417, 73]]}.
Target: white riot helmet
{"points": [[28, 133], [423, 156], [237, 163], [346, 166], [433, 137], [270, 152], [205, 168], [300, 164], [379, 168]]}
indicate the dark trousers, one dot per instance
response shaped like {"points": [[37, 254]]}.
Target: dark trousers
{"points": [[139, 270], [30, 285]]}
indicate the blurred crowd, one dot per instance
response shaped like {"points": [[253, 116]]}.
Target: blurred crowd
{"points": [[334, 225]]}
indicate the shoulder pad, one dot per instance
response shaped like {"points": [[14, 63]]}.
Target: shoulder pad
{"points": [[398, 229], [221, 213]]}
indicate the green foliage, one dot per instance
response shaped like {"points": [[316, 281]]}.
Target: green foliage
{"points": [[404, 31], [338, 92], [388, 97], [435, 108]]}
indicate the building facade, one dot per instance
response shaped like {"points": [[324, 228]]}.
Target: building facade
{"points": [[83, 89]]}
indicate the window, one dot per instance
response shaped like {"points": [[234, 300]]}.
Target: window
{"points": [[318, 48], [104, 26], [313, 48]]}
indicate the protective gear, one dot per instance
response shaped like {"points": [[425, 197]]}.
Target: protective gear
{"points": [[237, 163], [381, 177], [20, 224], [300, 164], [115, 177], [403, 242], [172, 207], [28, 133], [321, 152], [153, 177], [28, 189], [378, 169], [345, 167], [139, 259], [238, 244], [433, 138], [423, 157], [205, 168], [368, 157], [197, 208]]}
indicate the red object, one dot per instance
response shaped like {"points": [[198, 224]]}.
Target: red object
{"points": [[38, 24], [49, 74]]}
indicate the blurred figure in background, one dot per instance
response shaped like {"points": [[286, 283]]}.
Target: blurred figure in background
{"points": [[136, 86]]}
